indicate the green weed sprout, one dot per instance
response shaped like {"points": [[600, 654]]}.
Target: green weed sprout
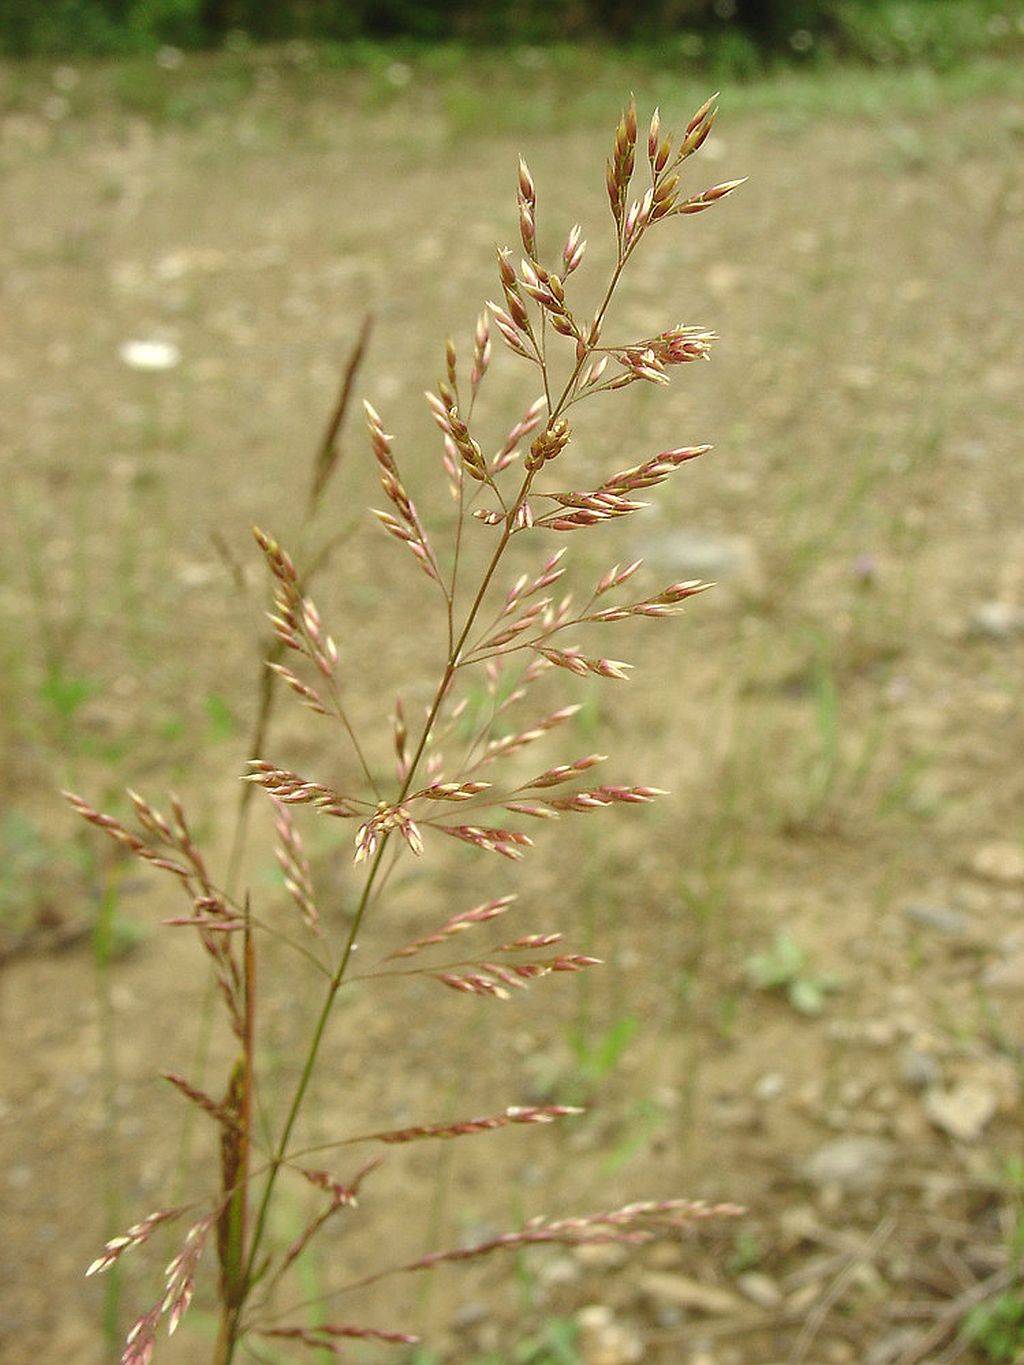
{"points": [[786, 967]]}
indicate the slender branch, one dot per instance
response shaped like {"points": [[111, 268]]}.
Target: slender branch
{"points": [[342, 715], [225, 1355]]}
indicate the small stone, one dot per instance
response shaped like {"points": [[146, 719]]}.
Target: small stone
{"points": [[562, 1270], [682, 1292], [56, 107], [1002, 1076], [669, 1319], [770, 1086], [149, 355], [996, 620], [810, 1094], [469, 1314], [601, 1255], [606, 1341], [851, 1163], [664, 1256], [973, 897], [760, 1289], [853, 1091], [1000, 861], [909, 1125], [920, 1070], [398, 74], [170, 58], [799, 1224], [880, 1032], [734, 1112], [1005, 975], [939, 918], [963, 1112], [65, 78]]}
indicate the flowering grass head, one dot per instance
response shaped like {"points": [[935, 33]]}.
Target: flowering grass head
{"points": [[451, 783]]}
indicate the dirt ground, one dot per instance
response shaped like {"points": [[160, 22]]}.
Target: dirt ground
{"points": [[840, 724]]}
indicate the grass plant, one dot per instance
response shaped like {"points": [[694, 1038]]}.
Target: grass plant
{"points": [[493, 582]]}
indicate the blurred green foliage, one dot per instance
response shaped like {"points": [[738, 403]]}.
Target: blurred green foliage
{"points": [[996, 1327], [739, 34]]}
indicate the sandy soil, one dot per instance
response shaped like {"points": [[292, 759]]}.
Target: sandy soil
{"points": [[840, 724]]}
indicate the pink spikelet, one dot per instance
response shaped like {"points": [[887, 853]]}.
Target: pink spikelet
{"points": [[180, 1280], [135, 1236], [343, 1196], [294, 864], [595, 798], [140, 1341], [295, 618], [527, 424], [466, 919], [564, 772], [668, 602], [481, 350], [510, 843], [581, 665], [124, 836], [510, 744], [401, 742], [464, 448], [221, 1112], [288, 788], [386, 818], [181, 1273], [404, 524], [633, 1224], [492, 978], [544, 1113], [309, 696]]}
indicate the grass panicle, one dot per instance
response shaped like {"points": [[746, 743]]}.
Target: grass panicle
{"points": [[502, 636]]}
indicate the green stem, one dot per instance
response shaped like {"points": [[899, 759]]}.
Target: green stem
{"points": [[588, 351]]}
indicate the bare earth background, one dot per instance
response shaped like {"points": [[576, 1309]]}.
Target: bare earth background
{"points": [[840, 723]]}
